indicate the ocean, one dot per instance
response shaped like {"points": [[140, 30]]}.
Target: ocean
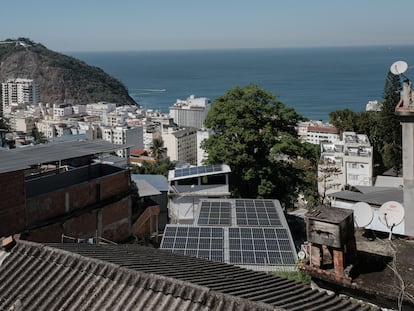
{"points": [[313, 81]]}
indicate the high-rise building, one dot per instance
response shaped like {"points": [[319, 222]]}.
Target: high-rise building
{"points": [[17, 92], [190, 112]]}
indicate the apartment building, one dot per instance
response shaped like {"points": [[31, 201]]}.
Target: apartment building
{"points": [[181, 144], [348, 162], [133, 136], [100, 109], [316, 132], [17, 92], [190, 112]]}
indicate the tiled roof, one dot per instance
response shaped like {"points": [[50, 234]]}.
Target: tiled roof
{"points": [[38, 277], [218, 277]]}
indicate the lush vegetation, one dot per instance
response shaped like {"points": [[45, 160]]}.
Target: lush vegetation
{"points": [[160, 167], [255, 135]]}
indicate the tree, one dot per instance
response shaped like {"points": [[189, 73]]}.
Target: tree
{"points": [[160, 167], [255, 135], [4, 124], [389, 129], [157, 149]]}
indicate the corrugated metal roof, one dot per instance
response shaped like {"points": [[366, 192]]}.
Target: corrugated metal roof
{"points": [[145, 189], [159, 182], [22, 158], [371, 195], [37, 277], [218, 277]]}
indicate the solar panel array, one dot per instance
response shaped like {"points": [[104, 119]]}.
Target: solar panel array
{"points": [[201, 242], [260, 246], [256, 213], [215, 213], [197, 170], [245, 232]]}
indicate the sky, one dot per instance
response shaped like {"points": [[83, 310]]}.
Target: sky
{"points": [[132, 25]]}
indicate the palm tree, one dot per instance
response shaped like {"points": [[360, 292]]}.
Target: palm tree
{"points": [[157, 149]]}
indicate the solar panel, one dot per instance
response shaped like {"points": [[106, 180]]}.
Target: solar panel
{"points": [[214, 213], [238, 231], [260, 213], [197, 170], [201, 242], [260, 246]]}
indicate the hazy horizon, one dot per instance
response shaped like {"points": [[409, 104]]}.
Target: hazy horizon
{"points": [[129, 25]]}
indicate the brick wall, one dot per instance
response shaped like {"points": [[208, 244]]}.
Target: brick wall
{"points": [[113, 224], [12, 203], [112, 221]]}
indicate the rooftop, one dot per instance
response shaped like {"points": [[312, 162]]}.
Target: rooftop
{"points": [[22, 158], [95, 277]]}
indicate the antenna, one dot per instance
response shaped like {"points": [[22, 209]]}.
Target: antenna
{"points": [[391, 214], [363, 214], [399, 67]]}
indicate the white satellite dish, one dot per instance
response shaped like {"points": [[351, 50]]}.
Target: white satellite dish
{"points": [[391, 214], [363, 214], [399, 67]]}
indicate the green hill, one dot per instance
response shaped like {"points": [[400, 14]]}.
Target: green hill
{"points": [[61, 78]]}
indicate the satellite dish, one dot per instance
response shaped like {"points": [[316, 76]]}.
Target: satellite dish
{"points": [[399, 67], [302, 255], [363, 214], [391, 213]]}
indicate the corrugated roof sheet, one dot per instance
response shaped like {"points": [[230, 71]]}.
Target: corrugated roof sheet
{"points": [[22, 158], [218, 277], [159, 182], [145, 189], [371, 195], [37, 277]]}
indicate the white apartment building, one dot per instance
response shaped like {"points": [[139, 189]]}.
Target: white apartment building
{"points": [[316, 132], [181, 144], [190, 112], [201, 154], [345, 162], [17, 92], [124, 135], [100, 109], [61, 110], [79, 109]]}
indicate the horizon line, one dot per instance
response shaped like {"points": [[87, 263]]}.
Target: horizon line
{"points": [[387, 46]]}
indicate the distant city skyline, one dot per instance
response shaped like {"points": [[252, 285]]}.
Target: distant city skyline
{"points": [[127, 25]]}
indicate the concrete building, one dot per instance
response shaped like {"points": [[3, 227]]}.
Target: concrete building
{"points": [[17, 92], [190, 112], [345, 163], [55, 189], [181, 144], [100, 109], [201, 154], [188, 185], [124, 135], [316, 132], [61, 110]]}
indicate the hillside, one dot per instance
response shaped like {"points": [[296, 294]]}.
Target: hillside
{"points": [[61, 78]]}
